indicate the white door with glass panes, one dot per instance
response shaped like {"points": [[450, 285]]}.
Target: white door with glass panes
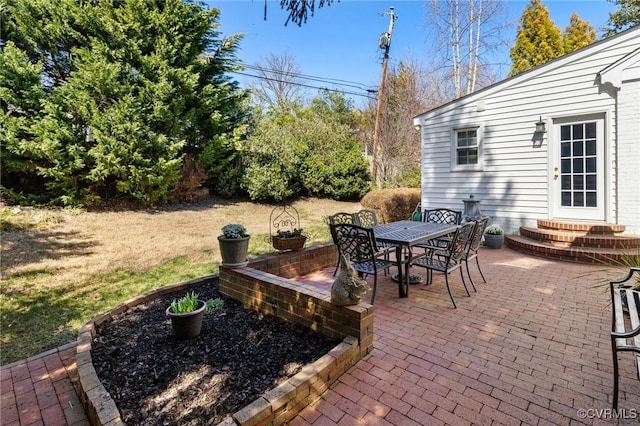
{"points": [[578, 169]]}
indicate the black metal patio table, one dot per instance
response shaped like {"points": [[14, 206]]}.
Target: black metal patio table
{"points": [[405, 234]]}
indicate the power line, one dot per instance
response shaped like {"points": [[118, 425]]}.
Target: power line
{"points": [[328, 80], [306, 85]]}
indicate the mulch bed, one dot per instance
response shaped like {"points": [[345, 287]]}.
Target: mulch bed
{"points": [[156, 379]]}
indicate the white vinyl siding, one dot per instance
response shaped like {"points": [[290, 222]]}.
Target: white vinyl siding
{"points": [[513, 183]]}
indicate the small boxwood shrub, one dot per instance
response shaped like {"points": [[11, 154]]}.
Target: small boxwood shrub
{"points": [[392, 204]]}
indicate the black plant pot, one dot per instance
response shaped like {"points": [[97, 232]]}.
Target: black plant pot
{"points": [[493, 241], [234, 251], [188, 325]]}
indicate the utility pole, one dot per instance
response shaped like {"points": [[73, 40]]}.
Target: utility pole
{"points": [[385, 44]]}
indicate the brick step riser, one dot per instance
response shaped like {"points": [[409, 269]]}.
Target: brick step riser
{"points": [[586, 241], [563, 253], [587, 228]]}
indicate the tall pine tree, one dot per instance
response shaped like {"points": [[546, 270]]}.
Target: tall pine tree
{"points": [[538, 40], [578, 34]]}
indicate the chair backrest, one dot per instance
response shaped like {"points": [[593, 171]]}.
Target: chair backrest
{"points": [[356, 241], [460, 242], [366, 218], [478, 231], [442, 216], [341, 218]]}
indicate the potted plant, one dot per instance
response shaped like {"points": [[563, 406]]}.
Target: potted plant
{"points": [[493, 237], [186, 314], [234, 245], [289, 240]]}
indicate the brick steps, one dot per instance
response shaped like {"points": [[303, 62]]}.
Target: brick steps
{"points": [[575, 241]]}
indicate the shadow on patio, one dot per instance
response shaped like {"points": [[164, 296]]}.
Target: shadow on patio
{"points": [[530, 347]]}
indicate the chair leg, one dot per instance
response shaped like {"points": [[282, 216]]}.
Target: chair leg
{"points": [[463, 282], [481, 274], [446, 279], [466, 264], [335, 271], [615, 376], [375, 284]]}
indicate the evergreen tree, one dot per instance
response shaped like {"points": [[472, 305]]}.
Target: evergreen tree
{"points": [[538, 40], [578, 34], [626, 17], [128, 87], [20, 109]]}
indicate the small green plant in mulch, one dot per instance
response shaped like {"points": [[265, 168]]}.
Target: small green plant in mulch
{"points": [[189, 303]]}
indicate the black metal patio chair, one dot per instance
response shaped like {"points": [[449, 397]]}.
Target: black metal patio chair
{"points": [[449, 259], [359, 244], [444, 216], [365, 218], [335, 219], [474, 246]]}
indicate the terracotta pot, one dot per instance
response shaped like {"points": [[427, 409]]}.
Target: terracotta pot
{"points": [[187, 325], [234, 251]]}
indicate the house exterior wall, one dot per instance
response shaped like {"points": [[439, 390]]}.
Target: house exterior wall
{"points": [[629, 155], [516, 165]]}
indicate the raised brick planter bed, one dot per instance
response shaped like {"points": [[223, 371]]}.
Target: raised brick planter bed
{"points": [[266, 284]]}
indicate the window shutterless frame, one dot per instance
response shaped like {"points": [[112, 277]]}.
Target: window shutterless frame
{"points": [[466, 148]]}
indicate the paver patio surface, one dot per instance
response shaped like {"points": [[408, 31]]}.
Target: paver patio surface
{"points": [[531, 347]]}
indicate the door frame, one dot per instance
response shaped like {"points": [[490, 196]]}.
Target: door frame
{"points": [[605, 162]]}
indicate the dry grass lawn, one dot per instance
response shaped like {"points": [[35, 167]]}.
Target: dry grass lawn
{"points": [[73, 245], [59, 266]]}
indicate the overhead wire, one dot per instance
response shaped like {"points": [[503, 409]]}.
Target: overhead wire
{"points": [[364, 95], [330, 81]]}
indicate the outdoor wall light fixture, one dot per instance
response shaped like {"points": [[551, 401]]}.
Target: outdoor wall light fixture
{"points": [[540, 126], [417, 127]]}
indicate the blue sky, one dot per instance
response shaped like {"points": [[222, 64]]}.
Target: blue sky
{"points": [[341, 41]]}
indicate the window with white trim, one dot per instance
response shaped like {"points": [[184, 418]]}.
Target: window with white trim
{"points": [[466, 153]]}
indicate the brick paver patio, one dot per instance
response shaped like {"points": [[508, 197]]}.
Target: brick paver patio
{"points": [[531, 347]]}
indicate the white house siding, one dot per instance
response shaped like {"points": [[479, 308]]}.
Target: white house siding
{"points": [[629, 155], [514, 182]]}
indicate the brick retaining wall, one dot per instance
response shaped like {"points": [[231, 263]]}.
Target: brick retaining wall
{"points": [[267, 285]]}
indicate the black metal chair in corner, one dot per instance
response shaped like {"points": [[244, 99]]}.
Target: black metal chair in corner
{"points": [[359, 244], [449, 259]]}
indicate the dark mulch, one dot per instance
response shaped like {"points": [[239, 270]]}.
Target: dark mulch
{"points": [[156, 379]]}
